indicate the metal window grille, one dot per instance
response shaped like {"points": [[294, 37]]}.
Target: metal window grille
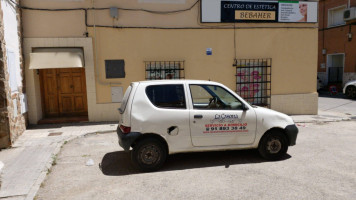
{"points": [[156, 70], [253, 80]]}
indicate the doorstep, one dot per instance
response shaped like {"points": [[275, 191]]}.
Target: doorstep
{"points": [[61, 120]]}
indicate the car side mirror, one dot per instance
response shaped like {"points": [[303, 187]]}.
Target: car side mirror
{"points": [[244, 107]]}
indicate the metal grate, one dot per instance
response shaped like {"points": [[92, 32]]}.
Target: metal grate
{"points": [[55, 134], [156, 70], [253, 80], [335, 74]]}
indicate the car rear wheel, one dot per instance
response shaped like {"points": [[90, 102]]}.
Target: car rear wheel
{"points": [[273, 145], [149, 154], [351, 92]]}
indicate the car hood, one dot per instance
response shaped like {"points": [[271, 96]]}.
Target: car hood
{"points": [[272, 115]]}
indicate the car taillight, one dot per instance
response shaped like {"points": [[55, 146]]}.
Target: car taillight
{"points": [[125, 129]]}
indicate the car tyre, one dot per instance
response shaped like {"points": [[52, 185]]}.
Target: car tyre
{"points": [[149, 154], [351, 92], [273, 145]]}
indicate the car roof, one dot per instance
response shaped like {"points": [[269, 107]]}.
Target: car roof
{"points": [[177, 81]]}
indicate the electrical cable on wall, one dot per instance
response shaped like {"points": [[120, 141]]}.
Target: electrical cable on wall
{"points": [[203, 26], [108, 8]]}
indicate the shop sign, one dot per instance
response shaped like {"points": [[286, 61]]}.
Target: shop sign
{"points": [[259, 11], [241, 11]]}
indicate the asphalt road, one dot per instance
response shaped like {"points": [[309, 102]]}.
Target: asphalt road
{"points": [[321, 166]]}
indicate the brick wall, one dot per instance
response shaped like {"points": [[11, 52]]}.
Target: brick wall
{"points": [[335, 40]]}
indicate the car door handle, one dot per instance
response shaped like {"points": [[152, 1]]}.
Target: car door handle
{"points": [[198, 116]]}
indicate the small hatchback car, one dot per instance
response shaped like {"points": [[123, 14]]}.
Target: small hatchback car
{"points": [[350, 89], [173, 116]]}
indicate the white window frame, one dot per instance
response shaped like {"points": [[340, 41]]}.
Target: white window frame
{"points": [[330, 24]]}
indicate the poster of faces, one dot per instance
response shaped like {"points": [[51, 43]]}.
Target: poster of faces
{"points": [[298, 11]]}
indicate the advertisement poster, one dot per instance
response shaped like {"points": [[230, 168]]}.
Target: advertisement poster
{"points": [[297, 11]]}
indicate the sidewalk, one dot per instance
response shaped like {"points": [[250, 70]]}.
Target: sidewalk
{"points": [[323, 116], [27, 163]]}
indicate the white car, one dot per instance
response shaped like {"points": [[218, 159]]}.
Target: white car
{"points": [[174, 116], [350, 89]]}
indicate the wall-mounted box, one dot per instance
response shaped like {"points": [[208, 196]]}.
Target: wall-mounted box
{"points": [[115, 68]]}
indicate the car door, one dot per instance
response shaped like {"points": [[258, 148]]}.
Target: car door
{"points": [[217, 117]]}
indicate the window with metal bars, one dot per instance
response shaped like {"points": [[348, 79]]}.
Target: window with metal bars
{"points": [[157, 70], [253, 80]]}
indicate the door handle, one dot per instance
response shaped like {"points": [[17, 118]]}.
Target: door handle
{"points": [[198, 116]]}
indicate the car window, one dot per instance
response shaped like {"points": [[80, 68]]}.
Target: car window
{"points": [[166, 96], [213, 97], [124, 100]]}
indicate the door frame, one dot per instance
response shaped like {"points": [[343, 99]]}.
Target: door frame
{"points": [[39, 72], [328, 60]]}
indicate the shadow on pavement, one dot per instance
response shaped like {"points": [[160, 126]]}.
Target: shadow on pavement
{"points": [[339, 95], [118, 163]]}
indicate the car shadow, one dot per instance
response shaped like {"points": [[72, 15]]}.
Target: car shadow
{"points": [[118, 163]]}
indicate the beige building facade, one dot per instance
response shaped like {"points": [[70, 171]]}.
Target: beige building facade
{"points": [[120, 41]]}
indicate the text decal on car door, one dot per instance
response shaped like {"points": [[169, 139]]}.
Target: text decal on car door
{"points": [[226, 128], [223, 118]]}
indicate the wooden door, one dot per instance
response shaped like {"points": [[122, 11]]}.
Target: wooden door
{"points": [[49, 92], [64, 92]]}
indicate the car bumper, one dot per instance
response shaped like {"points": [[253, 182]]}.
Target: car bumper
{"points": [[292, 132], [126, 140]]}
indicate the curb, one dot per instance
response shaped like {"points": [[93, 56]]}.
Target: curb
{"points": [[36, 186], [322, 121]]}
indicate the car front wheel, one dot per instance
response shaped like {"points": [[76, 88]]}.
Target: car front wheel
{"points": [[351, 92], [149, 154], [273, 145]]}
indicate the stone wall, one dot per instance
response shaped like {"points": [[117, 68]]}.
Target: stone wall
{"points": [[4, 120], [349, 76], [12, 121]]}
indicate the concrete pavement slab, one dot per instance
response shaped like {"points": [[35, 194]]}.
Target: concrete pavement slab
{"points": [[28, 161], [337, 103], [323, 116]]}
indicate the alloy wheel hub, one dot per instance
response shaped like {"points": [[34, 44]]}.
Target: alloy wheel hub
{"points": [[274, 145]]}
